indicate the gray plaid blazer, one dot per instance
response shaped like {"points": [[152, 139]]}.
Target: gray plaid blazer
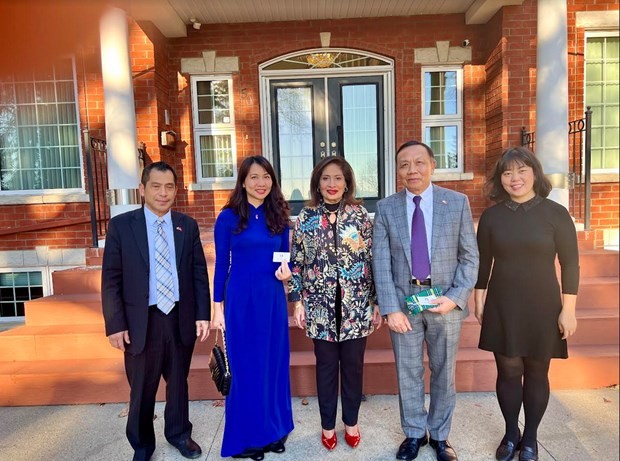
{"points": [[454, 251]]}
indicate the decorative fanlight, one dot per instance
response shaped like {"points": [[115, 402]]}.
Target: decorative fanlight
{"points": [[321, 60]]}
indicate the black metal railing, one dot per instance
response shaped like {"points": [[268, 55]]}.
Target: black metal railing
{"points": [[97, 171], [580, 176], [528, 139]]}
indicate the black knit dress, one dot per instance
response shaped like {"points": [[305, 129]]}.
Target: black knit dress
{"points": [[518, 243]]}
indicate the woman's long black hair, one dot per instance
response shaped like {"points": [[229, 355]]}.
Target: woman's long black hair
{"points": [[275, 206]]}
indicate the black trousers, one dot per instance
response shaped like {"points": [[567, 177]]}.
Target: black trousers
{"points": [[164, 355], [344, 360]]}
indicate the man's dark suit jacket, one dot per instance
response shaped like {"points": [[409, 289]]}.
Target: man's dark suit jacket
{"points": [[125, 278]]}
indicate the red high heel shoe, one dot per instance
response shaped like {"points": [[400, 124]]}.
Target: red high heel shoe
{"points": [[329, 443], [352, 440]]}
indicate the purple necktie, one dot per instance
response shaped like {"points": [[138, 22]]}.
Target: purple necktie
{"points": [[420, 264]]}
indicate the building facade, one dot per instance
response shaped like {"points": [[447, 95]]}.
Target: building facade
{"points": [[293, 90]]}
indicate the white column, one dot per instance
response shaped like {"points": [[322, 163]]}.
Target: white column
{"points": [[120, 113], [552, 96]]}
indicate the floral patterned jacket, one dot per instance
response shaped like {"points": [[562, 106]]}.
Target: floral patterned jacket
{"points": [[315, 279]]}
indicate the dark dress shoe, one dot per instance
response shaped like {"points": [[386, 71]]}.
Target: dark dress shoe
{"points": [[408, 450], [443, 449], [528, 453], [256, 454], [188, 448], [276, 447], [507, 449]]}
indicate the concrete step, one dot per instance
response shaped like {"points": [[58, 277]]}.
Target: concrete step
{"points": [[595, 327], [598, 292], [78, 309], [53, 382], [82, 341], [80, 280], [599, 263], [56, 342]]}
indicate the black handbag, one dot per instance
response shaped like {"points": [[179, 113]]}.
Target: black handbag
{"points": [[218, 364]]}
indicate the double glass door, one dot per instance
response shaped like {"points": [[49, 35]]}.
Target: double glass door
{"points": [[330, 116]]}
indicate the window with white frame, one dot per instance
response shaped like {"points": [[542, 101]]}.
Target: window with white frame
{"points": [[214, 128], [602, 94], [442, 115], [15, 289], [39, 136]]}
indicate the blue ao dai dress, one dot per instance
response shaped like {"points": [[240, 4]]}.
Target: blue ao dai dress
{"points": [[258, 408]]}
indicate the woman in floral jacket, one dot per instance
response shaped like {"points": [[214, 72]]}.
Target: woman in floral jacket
{"points": [[334, 292]]}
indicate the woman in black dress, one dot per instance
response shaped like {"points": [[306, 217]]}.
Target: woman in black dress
{"points": [[525, 317]]}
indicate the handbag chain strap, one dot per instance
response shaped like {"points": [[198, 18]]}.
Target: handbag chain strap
{"points": [[217, 332]]}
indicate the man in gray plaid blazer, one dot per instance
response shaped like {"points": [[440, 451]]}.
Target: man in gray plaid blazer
{"points": [[453, 256]]}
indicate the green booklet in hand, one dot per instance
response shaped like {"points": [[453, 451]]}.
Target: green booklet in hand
{"points": [[422, 300]]}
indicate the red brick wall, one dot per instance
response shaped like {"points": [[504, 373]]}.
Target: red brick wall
{"points": [[396, 38], [500, 85]]}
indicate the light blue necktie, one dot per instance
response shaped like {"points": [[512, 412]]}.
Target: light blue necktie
{"points": [[163, 271]]}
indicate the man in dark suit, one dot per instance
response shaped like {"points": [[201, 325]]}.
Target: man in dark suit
{"points": [[424, 237], [156, 301]]}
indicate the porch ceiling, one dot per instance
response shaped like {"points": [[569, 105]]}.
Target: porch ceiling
{"points": [[171, 17]]}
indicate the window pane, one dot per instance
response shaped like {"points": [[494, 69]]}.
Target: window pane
{"points": [[40, 119], [213, 100], [444, 142], [440, 93], [24, 93], [216, 156], [16, 288], [602, 94], [360, 132], [295, 140], [27, 115]]}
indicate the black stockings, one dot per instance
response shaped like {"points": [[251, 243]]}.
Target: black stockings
{"points": [[522, 380]]}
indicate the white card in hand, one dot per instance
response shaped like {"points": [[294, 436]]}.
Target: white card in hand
{"points": [[281, 256]]}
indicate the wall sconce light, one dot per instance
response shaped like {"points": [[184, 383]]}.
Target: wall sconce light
{"points": [[195, 24]]}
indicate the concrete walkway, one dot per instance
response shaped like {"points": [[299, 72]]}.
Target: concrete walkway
{"points": [[578, 426]]}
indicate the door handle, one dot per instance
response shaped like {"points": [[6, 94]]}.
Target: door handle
{"points": [[340, 140]]}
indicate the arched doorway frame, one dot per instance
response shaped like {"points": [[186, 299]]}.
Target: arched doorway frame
{"points": [[385, 71]]}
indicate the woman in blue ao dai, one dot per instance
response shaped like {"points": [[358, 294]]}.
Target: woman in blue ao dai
{"points": [[250, 305]]}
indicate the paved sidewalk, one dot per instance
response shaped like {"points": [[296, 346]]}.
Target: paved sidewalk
{"points": [[578, 426]]}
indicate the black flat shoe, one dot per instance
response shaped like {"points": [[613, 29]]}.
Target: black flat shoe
{"points": [[528, 453], [251, 453], [506, 451], [410, 447], [443, 450], [275, 447]]}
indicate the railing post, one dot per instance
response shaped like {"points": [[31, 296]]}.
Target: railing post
{"points": [[91, 188], [523, 136], [588, 168]]}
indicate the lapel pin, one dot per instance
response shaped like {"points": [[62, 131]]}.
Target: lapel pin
{"points": [[444, 202], [179, 229]]}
